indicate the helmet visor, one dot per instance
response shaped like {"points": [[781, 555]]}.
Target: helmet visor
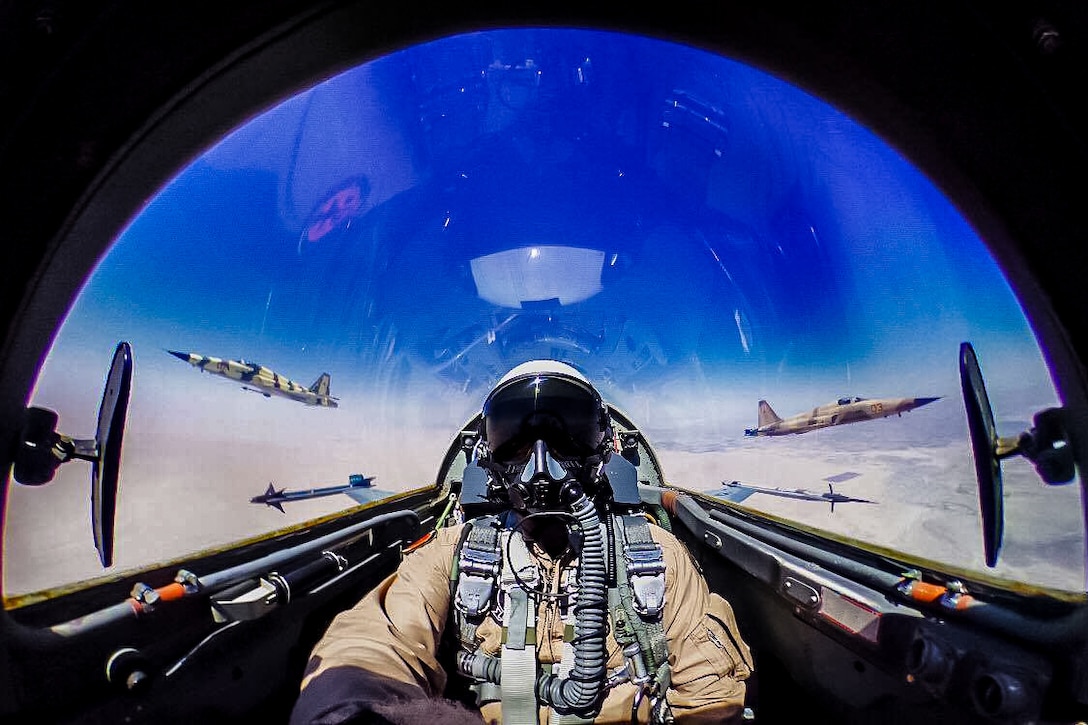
{"points": [[563, 412]]}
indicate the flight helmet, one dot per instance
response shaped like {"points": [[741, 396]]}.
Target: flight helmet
{"points": [[547, 434]]}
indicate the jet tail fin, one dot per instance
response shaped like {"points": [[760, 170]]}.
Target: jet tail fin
{"points": [[767, 415], [321, 385]]}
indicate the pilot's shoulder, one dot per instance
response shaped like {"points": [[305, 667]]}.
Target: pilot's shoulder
{"points": [[675, 551], [663, 536], [449, 536], [436, 553]]}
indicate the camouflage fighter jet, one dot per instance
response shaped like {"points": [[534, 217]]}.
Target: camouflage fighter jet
{"points": [[843, 410], [259, 379]]}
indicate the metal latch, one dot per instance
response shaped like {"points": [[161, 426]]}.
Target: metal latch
{"points": [[800, 592], [477, 571], [247, 601], [646, 572]]}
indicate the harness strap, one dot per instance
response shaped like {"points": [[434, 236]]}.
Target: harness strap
{"points": [[492, 560], [477, 569], [640, 588], [645, 567], [519, 668]]}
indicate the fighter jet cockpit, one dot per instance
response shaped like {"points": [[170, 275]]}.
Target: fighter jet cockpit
{"points": [[708, 251]]}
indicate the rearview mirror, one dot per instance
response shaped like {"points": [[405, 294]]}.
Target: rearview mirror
{"points": [[1049, 445], [984, 441], [41, 450]]}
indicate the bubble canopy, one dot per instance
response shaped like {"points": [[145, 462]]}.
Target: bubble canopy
{"points": [[693, 234]]}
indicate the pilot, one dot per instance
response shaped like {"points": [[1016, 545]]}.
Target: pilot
{"points": [[565, 607]]}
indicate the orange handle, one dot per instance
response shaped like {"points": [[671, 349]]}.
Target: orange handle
{"points": [[925, 592]]}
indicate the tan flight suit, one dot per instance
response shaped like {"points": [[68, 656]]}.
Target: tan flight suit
{"points": [[396, 629]]}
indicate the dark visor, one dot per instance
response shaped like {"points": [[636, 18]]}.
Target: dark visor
{"points": [[563, 412]]}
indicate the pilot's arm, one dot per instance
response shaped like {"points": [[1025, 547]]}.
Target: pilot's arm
{"points": [[377, 661], [710, 660]]}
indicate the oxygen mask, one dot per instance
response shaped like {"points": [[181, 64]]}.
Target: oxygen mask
{"points": [[544, 483]]}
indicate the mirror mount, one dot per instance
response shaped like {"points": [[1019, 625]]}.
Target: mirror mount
{"points": [[1050, 445], [41, 450]]}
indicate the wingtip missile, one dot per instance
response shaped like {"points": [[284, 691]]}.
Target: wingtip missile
{"points": [[737, 492], [834, 497], [277, 497], [271, 497]]}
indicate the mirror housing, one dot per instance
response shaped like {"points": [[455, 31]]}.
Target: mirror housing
{"points": [[1049, 445], [984, 443], [41, 450]]}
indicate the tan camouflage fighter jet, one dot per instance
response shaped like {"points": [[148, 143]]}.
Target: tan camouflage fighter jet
{"points": [[844, 410], [259, 379]]}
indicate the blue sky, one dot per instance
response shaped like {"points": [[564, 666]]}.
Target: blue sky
{"points": [[756, 242]]}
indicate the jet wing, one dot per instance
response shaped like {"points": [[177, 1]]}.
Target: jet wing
{"points": [[366, 495], [736, 491], [733, 491]]}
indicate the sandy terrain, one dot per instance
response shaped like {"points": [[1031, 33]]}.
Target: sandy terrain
{"points": [[176, 499]]}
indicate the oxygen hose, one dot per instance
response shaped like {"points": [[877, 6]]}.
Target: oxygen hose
{"points": [[580, 692], [480, 666]]}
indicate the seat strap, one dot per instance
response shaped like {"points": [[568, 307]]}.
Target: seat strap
{"points": [[640, 576], [475, 577], [520, 577]]}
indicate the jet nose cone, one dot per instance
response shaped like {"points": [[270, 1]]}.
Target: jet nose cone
{"points": [[179, 355], [919, 402]]}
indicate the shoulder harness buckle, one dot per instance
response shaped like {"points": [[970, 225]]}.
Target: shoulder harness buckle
{"points": [[479, 562], [645, 564]]}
